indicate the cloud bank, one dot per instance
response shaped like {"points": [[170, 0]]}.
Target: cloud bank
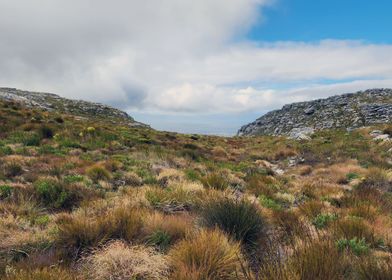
{"points": [[175, 56]]}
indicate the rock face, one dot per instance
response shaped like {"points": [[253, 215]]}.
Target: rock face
{"points": [[53, 102], [352, 110]]}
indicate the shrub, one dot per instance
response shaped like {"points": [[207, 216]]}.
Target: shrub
{"points": [[240, 219], [269, 203], [357, 246], [215, 181], [120, 261], [5, 191], [51, 192], [322, 220], [46, 132], [207, 255], [97, 173]]}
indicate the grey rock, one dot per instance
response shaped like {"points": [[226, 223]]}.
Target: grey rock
{"points": [[80, 108], [348, 111]]}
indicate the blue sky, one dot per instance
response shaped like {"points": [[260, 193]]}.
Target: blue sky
{"points": [[307, 20], [206, 66]]}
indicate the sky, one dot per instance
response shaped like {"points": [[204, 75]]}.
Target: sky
{"points": [[206, 66]]}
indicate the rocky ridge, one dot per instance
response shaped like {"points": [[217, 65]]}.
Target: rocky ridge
{"points": [[53, 102], [350, 111]]}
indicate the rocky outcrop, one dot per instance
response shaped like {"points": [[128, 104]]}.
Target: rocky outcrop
{"points": [[352, 110], [53, 102]]}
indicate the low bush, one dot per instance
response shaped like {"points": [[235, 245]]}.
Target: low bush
{"points": [[5, 192], [207, 255], [52, 193], [269, 203], [323, 220], [240, 219], [357, 246]]}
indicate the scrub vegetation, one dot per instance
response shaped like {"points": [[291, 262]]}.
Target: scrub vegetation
{"points": [[85, 198]]}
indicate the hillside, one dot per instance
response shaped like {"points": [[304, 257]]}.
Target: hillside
{"points": [[86, 198], [53, 102], [349, 111]]}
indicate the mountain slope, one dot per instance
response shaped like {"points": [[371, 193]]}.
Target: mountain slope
{"points": [[353, 110], [53, 102]]}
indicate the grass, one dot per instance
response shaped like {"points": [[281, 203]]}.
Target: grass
{"points": [[103, 198], [208, 255], [239, 219]]}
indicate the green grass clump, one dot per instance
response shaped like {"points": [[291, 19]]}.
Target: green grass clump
{"points": [[240, 219], [5, 191]]}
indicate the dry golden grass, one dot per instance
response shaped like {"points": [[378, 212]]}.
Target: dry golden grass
{"points": [[119, 261], [54, 273], [208, 255], [175, 226]]}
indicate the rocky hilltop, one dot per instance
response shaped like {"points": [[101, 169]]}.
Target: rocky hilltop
{"points": [[53, 102], [352, 110]]}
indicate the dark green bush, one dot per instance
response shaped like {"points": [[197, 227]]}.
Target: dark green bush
{"points": [[240, 219], [46, 132]]}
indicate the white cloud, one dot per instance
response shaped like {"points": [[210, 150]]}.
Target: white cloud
{"points": [[174, 56]]}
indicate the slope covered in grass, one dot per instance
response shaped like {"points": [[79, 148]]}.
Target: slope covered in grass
{"points": [[86, 199]]}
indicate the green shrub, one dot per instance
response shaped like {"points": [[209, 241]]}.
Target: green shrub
{"points": [[69, 179], [351, 176], [51, 192], [357, 246], [5, 191], [46, 132], [322, 220], [240, 219], [269, 203]]}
